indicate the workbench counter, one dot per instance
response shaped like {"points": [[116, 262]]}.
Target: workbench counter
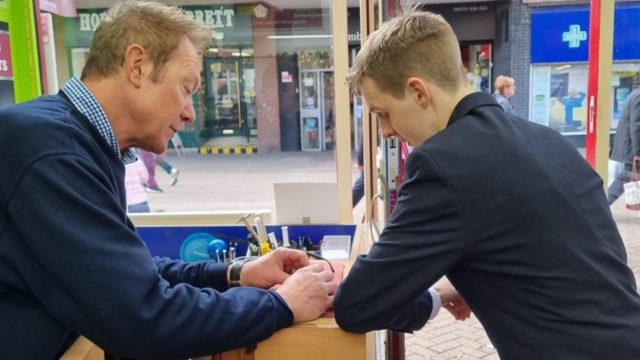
{"points": [[320, 339]]}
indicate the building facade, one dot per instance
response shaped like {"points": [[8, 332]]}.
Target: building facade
{"points": [[549, 61], [268, 75]]}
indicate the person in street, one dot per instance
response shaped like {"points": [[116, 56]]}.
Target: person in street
{"points": [[71, 262], [150, 161], [135, 176], [357, 190], [506, 208], [626, 143], [505, 89]]}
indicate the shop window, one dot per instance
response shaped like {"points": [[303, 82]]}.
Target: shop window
{"points": [[558, 95]]}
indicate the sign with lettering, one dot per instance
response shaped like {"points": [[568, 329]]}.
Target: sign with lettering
{"points": [[90, 20], [561, 34], [470, 8], [215, 17], [6, 71], [471, 22], [293, 19]]}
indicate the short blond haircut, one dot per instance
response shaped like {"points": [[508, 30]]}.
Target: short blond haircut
{"points": [[418, 43], [158, 28], [503, 82]]}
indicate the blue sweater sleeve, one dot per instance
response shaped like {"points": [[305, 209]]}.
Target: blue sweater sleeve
{"points": [[93, 274], [199, 274]]}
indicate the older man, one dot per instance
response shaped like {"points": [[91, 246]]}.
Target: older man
{"points": [[70, 260]]}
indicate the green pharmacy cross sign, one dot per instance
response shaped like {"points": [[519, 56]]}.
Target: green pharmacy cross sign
{"points": [[574, 36]]}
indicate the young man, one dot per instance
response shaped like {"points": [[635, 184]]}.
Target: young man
{"points": [[508, 210], [70, 260]]}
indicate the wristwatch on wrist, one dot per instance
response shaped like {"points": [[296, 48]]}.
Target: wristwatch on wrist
{"points": [[234, 274]]}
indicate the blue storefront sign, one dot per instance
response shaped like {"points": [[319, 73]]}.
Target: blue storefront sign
{"points": [[561, 34]]}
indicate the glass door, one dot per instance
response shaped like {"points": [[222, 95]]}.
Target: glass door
{"points": [[248, 98], [223, 113], [310, 111], [328, 116], [230, 108]]}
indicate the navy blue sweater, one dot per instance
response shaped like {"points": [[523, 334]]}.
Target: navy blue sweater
{"points": [[71, 263]]}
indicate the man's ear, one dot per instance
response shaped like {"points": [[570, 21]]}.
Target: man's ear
{"points": [[134, 61], [418, 89]]}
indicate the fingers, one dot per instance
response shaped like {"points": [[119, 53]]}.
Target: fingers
{"points": [[459, 309], [332, 287], [317, 268], [309, 292], [291, 258], [326, 275]]}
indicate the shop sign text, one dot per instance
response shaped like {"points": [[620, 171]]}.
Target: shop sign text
{"points": [[470, 8], [211, 18]]}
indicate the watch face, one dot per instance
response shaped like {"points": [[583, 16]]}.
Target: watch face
{"points": [[194, 247]]}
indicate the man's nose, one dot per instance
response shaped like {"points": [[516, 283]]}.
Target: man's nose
{"points": [[188, 114], [387, 132]]}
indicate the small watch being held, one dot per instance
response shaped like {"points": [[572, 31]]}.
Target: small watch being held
{"points": [[234, 274]]}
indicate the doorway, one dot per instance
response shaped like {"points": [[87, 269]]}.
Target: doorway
{"points": [[230, 106], [476, 59]]}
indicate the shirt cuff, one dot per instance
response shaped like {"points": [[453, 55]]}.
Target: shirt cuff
{"points": [[436, 303]]}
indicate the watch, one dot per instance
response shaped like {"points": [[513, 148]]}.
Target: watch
{"points": [[234, 274]]}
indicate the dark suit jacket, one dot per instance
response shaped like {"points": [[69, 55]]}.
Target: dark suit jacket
{"points": [[626, 143], [519, 222]]}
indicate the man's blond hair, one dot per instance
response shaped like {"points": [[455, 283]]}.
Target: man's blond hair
{"points": [[156, 27], [503, 82], [418, 43]]}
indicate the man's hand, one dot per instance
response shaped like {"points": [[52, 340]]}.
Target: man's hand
{"points": [[451, 300], [273, 268], [309, 292]]}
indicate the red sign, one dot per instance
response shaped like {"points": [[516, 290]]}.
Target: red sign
{"points": [[6, 72], [60, 7], [291, 19]]}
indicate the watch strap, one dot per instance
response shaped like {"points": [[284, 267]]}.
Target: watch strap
{"points": [[234, 274]]}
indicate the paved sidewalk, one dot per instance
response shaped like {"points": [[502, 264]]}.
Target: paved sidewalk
{"points": [[237, 182]]}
